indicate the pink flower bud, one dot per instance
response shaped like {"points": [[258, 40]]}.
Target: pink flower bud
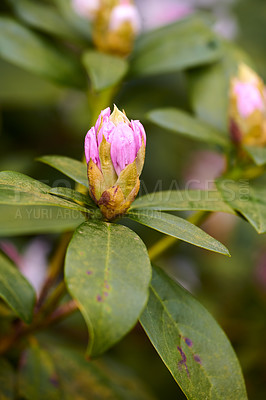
{"points": [[125, 13], [247, 108], [123, 147], [114, 164], [249, 98], [86, 8], [91, 148]]}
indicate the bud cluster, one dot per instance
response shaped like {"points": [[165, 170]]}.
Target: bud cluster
{"points": [[247, 112], [115, 23], [115, 153]]}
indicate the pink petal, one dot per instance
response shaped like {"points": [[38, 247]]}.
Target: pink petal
{"points": [[105, 114], [123, 147], [125, 13], [91, 149], [139, 133], [107, 130], [249, 98]]}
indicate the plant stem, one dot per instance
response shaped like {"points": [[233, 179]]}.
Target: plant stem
{"points": [[54, 268], [166, 242], [21, 330]]}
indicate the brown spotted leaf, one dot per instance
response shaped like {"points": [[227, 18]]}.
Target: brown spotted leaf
{"points": [[108, 272], [191, 343]]}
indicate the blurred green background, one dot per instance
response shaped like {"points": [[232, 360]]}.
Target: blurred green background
{"points": [[38, 117]]}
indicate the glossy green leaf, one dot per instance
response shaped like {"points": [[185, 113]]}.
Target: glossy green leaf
{"points": [[184, 124], [28, 220], [177, 227], [107, 270], [71, 194], [209, 87], [104, 70], [191, 344], [258, 154], [95, 380], [181, 45], [74, 169], [19, 189], [178, 200], [43, 17], [7, 381], [248, 198], [26, 49], [38, 378], [16, 290]]}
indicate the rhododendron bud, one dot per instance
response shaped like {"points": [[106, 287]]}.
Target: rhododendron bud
{"points": [[86, 8], [125, 13], [247, 111], [115, 153], [116, 25]]}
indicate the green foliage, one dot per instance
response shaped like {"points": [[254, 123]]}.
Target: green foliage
{"points": [[102, 77], [182, 123], [26, 49], [179, 200], [191, 343], [178, 228], [106, 379], [19, 189], [16, 290], [37, 377], [183, 44], [107, 270], [7, 380], [74, 169], [248, 198], [43, 17], [26, 220]]}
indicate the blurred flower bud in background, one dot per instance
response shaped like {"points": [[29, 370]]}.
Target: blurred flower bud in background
{"points": [[86, 8], [247, 108], [32, 261], [115, 153], [115, 27]]}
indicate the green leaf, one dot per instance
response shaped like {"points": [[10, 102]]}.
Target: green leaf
{"points": [[95, 380], [38, 378], [248, 198], [28, 220], [23, 89], [81, 25], [26, 49], [43, 17], [191, 344], [258, 154], [71, 194], [209, 87], [16, 290], [182, 123], [74, 169], [177, 227], [178, 200], [107, 271], [181, 45], [7, 381], [19, 189], [104, 70]]}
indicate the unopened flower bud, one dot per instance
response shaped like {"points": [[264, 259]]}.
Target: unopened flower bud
{"points": [[115, 153], [247, 111], [116, 26], [86, 8], [125, 13]]}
